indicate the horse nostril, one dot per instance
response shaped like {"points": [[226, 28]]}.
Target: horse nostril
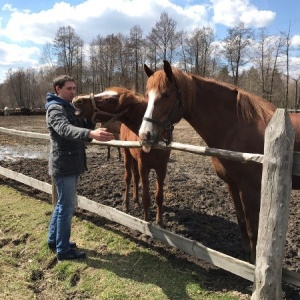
{"points": [[148, 135]]}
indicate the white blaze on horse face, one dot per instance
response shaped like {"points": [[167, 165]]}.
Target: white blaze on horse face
{"points": [[106, 93], [146, 125]]}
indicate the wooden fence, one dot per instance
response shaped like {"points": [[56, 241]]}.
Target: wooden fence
{"points": [[278, 158]]}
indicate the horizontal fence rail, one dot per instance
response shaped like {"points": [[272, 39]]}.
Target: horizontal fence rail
{"points": [[205, 151], [192, 247]]}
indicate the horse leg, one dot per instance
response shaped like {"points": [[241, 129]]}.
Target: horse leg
{"points": [[234, 192], [136, 181], [251, 203], [159, 194], [144, 175], [235, 195], [127, 177]]}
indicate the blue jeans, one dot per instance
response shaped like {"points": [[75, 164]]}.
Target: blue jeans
{"points": [[60, 225]]}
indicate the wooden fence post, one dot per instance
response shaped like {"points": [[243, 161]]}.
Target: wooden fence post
{"points": [[274, 208]]}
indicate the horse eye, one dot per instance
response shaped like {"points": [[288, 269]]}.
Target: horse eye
{"points": [[165, 95], [112, 101]]}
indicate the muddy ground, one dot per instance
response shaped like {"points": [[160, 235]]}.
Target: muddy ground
{"points": [[196, 205]]}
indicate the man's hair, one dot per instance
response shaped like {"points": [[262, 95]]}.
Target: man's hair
{"points": [[61, 80]]}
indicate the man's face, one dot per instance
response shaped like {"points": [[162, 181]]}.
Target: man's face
{"points": [[67, 92]]}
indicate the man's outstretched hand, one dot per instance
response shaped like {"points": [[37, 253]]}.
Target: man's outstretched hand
{"points": [[100, 134]]}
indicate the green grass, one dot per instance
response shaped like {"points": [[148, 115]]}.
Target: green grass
{"points": [[116, 267]]}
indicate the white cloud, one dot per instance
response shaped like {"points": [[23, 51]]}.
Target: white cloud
{"points": [[13, 57], [232, 12], [90, 19], [8, 7], [296, 41], [12, 54], [294, 67]]}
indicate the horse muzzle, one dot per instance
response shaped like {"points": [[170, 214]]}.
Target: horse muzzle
{"points": [[78, 112], [149, 140]]}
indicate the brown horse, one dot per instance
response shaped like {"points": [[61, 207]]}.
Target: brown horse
{"points": [[129, 107], [226, 118]]}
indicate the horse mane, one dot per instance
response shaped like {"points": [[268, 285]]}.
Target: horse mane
{"points": [[127, 96], [249, 105]]}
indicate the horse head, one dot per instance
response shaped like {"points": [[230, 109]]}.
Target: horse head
{"points": [[164, 106], [100, 107], [83, 106]]}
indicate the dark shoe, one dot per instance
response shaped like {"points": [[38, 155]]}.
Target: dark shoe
{"points": [[71, 254], [53, 246]]}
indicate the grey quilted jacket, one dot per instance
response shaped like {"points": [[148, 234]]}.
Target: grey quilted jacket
{"points": [[68, 135]]}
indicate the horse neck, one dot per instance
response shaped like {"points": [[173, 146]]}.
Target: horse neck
{"points": [[134, 117], [211, 116]]}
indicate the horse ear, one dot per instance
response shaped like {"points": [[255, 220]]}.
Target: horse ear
{"points": [[168, 70], [148, 71]]}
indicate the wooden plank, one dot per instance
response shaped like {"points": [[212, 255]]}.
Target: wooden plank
{"points": [[37, 184], [206, 151], [196, 249], [220, 153], [28, 134], [115, 215]]}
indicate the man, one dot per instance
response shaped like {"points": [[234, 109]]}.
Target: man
{"points": [[67, 160]]}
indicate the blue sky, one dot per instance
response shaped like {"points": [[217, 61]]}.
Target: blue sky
{"points": [[25, 26]]}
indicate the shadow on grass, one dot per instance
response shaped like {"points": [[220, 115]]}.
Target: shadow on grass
{"points": [[209, 278]]}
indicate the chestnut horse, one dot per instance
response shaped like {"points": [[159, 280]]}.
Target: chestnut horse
{"points": [[129, 107], [226, 117]]}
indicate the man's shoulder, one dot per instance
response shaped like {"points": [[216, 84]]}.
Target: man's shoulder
{"points": [[57, 106]]}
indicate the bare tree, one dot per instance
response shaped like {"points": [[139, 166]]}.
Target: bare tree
{"points": [[236, 45], [47, 55], [164, 38], [199, 48], [23, 88], [124, 73], [275, 77], [268, 49], [16, 85], [287, 39], [96, 74], [105, 61], [136, 43], [67, 46]]}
